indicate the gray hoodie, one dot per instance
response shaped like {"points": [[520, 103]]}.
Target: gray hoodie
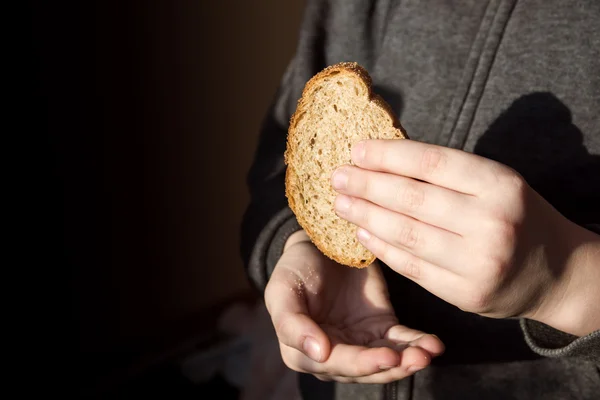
{"points": [[517, 81]]}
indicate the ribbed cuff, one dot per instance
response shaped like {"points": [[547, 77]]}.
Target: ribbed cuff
{"points": [[549, 342], [269, 247]]}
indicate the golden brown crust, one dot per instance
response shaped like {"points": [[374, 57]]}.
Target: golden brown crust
{"points": [[363, 75]]}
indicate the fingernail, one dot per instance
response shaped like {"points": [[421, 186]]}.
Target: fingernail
{"points": [[342, 204], [384, 367], [312, 349], [358, 152], [339, 180], [415, 368], [363, 235]]}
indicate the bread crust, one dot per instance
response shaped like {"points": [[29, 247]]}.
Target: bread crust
{"points": [[364, 77]]}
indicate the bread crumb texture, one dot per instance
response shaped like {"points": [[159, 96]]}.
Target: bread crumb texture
{"points": [[337, 109]]}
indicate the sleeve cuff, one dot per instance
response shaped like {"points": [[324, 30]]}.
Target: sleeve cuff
{"points": [[549, 342], [269, 246]]}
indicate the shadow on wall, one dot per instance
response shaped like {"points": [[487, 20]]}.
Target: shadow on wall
{"points": [[536, 137]]}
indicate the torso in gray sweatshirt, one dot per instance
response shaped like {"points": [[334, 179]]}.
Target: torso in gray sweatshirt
{"points": [[517, 81]]}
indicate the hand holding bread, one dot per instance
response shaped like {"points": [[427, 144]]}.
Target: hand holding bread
{"points": [[466, 228], [471, 231], [334, 321]]}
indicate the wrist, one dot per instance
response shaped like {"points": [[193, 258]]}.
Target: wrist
{"points": [[573, 304]]}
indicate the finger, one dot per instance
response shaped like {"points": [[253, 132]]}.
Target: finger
{"points": [[344, 360], [413, 359], [427, 242], [431, 204], [396, 340], [450, 168], [294, 328], [411, 338], [443, 283]]}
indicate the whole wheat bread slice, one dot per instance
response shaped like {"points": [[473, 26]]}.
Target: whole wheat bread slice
{"points": [[337, 109]]}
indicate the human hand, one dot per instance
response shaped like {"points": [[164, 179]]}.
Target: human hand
{"points": [[469, 230], [337, 323]]}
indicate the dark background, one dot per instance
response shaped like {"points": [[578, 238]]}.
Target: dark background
{"points": [[150, 111]]}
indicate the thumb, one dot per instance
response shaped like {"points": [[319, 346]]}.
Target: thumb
{"points": [[300, 332], [293, 326]]}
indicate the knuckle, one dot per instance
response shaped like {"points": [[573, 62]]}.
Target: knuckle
{"points": [[411, 196], [511, 182], [497, 212], [432, 161], [519, 192], [369, 155], [495, 258], [496, 266], [412, 268], [407, 236], [381, 250], [500, 173], [365, 216], [363, 185], [383, 157], [503, 236]]}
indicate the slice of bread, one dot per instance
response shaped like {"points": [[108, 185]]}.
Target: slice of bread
{"points": [[337, 109]]}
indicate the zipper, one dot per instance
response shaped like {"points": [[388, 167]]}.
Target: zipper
{"points": [[458, 122], [390, 390], [456, 128]]}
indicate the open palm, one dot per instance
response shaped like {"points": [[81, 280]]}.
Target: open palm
{"points": [[337, 322]]}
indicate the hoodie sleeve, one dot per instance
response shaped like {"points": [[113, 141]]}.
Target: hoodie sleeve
{"points": [[268, 221]]}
